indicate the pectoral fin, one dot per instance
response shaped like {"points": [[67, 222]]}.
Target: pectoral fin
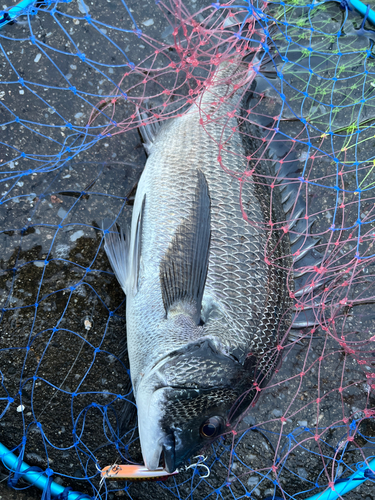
{"points": [[183, 270]]}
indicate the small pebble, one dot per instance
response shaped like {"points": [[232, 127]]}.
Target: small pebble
{"points": [[34, 457], [302, 472], [249, 420], [168, 31], [76, 235], [253, 481], [20, 408], [270, 492], [62, 213], [82, 7], [304, 155], [277, 413], [37, 57], [149, 22], [87, 322]]}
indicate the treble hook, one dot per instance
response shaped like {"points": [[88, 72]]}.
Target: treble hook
{"points": [[201, 459]]}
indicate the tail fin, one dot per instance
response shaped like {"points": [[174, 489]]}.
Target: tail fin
{"points": [[298, 223]]}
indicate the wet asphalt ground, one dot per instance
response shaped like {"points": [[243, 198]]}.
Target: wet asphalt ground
{"points": [[62, 331]]}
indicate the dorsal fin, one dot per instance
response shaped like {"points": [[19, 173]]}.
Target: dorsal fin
{"points": [[183, 270], [150, 127]]}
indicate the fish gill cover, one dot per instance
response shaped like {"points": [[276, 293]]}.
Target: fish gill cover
{"points": [[76, 81]]}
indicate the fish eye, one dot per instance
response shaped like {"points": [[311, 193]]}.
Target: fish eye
{"points": [[211, 427]]}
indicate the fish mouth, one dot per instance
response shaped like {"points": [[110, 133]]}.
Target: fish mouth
{"points": [[159, 438], [157, 444], [169, 454], [163, 455]]}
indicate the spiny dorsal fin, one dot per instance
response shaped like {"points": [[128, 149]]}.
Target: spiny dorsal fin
{"points": [[150, 127], [183, 270]]}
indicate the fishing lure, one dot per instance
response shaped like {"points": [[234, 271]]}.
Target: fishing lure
{"points": [[135, 473], [132, 472]]}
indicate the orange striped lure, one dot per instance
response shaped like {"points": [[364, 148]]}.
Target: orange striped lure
{"points": [[135, 473]]}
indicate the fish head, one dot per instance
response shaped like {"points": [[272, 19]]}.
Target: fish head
{"points": [[186, 402]]}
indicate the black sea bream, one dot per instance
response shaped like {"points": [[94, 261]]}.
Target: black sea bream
{"points": [[205, 311]]}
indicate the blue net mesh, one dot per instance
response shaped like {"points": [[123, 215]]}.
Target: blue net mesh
{"points": [[73, 76]]}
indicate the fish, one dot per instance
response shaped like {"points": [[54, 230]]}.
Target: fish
{"points": [[205, 310]]}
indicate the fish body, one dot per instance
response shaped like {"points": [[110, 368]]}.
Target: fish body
{"points": [[204, 310]]}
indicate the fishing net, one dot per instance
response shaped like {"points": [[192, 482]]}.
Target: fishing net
{"points": [[75, 80]]}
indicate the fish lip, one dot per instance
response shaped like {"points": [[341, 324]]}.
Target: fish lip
{"points": [[155, 440], [169, 453], [152, 463], [152, 436]]}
